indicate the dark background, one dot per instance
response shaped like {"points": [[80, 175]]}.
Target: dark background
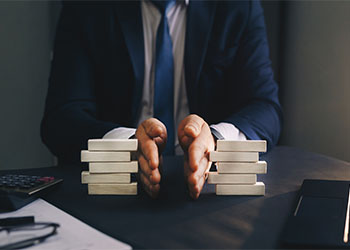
{"points": [[310, 53]]}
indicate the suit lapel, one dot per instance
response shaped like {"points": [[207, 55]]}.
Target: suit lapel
{"points": [[130, 18], [200, 17]]}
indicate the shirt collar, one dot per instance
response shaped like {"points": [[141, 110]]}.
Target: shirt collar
{"points": [[185, 2]]}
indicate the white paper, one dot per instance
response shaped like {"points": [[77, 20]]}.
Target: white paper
{"points": [[72, 233]]}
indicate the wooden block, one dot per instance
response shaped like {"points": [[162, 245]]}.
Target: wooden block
{"points": [[215, 178], [241, 146], [255, 189], [97, 156], [113, 167], [87, 178], [112, 145], [215, 156], [259, 167], [113, 189]]}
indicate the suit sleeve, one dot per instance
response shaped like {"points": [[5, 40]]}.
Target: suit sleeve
{"points": [[261, 118], [70, 116]]}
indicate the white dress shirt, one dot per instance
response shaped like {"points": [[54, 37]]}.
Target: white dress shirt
{"points": [[177, 26]]}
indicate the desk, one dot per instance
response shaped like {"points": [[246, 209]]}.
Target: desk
{"points": [[175, 221]]}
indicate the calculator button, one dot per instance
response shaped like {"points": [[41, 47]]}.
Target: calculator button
{"points": [[45, 179]]}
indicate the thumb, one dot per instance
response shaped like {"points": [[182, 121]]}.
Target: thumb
{"points": [[156, 131], [154, 128], [193, 126]]}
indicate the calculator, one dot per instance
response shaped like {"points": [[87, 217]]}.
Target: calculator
{"points": [[18, 190]]}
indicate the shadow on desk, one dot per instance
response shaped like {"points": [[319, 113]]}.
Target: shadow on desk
{"points": [[273, 211]]}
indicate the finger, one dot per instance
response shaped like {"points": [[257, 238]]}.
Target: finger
{"points": [[155, 190], [144, 166], [196, 190], [145, 182], [150, 151], [152, 137], [161, 143], [197, 179], [153, 175], [194, 177], [147, 148], [151, 190], [185, 142], [193, 126], [154, 128], [196, 151]]}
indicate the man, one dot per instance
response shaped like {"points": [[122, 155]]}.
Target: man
{"points": [[184, 73]]}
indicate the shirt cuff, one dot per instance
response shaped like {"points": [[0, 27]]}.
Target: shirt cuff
{"points": [[229, 131], [120, 133]]}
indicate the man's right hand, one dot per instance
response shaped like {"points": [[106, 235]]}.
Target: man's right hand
{"points": [[151, 136]]}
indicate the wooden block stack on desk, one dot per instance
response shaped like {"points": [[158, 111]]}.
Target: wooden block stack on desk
{"points": [[237, 167], [110, 167]]}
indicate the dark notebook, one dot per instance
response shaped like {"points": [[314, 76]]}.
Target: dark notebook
{"points": [[321, 216]]}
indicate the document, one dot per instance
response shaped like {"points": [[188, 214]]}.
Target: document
{"points": [[72, 233]]}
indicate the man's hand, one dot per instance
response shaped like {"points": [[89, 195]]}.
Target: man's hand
{"points": [[152, 136], [196, 141]]}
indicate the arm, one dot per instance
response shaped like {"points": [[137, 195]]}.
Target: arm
{"points": [[261, 118], [227, 131], [70, 117]]}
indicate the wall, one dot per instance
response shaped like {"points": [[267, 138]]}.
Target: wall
{"points": [[315, 79], [25, 44]]}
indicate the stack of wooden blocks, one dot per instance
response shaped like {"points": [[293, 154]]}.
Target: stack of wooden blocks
{"points": [[110, 167], [237, 165]]}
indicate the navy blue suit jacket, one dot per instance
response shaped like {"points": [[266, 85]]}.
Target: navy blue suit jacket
{"points": [[97, 72]]}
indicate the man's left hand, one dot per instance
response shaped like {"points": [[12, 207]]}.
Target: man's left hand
{"points": [[196, 141]]}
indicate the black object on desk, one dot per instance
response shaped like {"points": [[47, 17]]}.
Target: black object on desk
{"points": [[14, 221], [321, 216], [176, 221], [22, 232], [17, 190]]}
